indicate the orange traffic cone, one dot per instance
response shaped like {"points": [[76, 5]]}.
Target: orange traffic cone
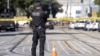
{"points": [[53, 53]]}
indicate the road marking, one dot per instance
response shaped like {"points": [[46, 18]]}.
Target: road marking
{"points": [[23, 49], [28, 41], [29, 49], [47, 45], [62, 47], [7, 50], [2, 42]]}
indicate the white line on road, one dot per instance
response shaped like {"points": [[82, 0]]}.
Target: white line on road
{"points": [[30, 50], [47, 45], [2, 42], [28, 41], [62, 47], [23, 49]]}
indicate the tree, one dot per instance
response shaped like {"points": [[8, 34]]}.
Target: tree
{"points": [[97, 2], [2, 4], [26, 5], [50, 3]]}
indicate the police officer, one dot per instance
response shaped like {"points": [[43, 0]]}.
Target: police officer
{"points": [[17, 26], [38, 23]]}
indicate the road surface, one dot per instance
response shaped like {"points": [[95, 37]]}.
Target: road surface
{"points": [[69, 42]]}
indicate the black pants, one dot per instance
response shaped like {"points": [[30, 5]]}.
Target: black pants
{"points": [[38, 34]]}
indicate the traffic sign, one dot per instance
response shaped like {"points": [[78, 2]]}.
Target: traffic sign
{"points": [[94, 14]]}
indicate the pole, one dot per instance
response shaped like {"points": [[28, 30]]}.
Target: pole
{"points": [[50, 8], [70, 7], [8, 4], [67, 10], [99, 8], [82, 15], [89, 10]]}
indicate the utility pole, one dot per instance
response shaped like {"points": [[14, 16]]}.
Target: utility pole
{"points": [[50, 8], [8, 4], [67, 9], [89, 10], [82, 1], [70, 7]]}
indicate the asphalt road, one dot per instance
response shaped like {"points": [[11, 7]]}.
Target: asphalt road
{"points": [[68, 42]]}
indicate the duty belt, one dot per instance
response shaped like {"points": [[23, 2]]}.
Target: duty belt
{"points": [[39, 27]]}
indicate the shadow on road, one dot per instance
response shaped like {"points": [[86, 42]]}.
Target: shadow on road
{"points": [[30, 33]]}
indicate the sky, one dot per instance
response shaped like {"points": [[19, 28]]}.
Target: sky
{"points": [[92, 0]]}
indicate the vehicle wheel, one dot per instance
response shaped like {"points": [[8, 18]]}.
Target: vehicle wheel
{"points": [[75, 27], [13, 29], [98, 30], [85, 29], [93, 29], [7, 30], [69, 28], [51, 27]]}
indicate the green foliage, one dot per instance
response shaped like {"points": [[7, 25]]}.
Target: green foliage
{"points": [[26, 5], [53, 2], [99, 13], [97, 2], [2, 3]]}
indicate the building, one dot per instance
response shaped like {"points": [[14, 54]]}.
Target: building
{"points": [[77, 8]]}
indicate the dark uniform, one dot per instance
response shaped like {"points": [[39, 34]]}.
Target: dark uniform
{"points": [[17, 26], [38, 31]]}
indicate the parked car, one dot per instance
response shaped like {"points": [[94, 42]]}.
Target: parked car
{"points": [[92, 25], [95, 25], [80, 24], [49, 25], [71, 25], [88, 26], [99, 26], [7, 25]]}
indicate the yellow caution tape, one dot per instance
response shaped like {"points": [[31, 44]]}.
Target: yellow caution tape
{"points": [[16, 19], [23, 18]]}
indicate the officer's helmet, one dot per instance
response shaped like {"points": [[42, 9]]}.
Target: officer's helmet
{"points": [[37, 4]]}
